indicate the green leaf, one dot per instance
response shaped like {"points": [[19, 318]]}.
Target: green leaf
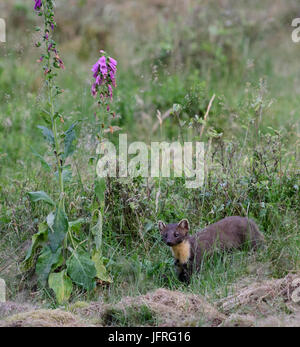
{"points": [[44, 163], [82, 270], [70, 136], [62, 286], [48, 134], [100, 187], [100, 268], [38, 239], [59, 229], [45, 263], [40, 195]]}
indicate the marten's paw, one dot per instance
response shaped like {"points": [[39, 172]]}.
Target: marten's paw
{"points": [[184, 277]]}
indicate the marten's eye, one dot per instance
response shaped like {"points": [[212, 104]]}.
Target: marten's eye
{"points": [[176, 234]]}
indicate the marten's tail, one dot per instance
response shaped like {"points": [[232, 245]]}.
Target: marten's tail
{"points": [[257, 238]]}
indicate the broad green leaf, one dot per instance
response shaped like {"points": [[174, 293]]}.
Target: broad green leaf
{"points": [[40, 195], [38, 239], [62, 286], [100, 268], [82, 270], [42, 160], [70, 136], [45, 263], [48, 134], [59, 229], [100, 187]]}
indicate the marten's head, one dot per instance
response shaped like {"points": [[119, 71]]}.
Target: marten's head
{"points": [[173, 234]]}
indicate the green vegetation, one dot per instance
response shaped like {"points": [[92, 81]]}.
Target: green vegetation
{"points": [[180, 56]]}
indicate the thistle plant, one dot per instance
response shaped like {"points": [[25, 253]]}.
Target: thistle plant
{"points": [[63, 258]]}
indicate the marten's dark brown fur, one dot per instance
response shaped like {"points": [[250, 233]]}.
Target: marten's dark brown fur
{"points": [[226, 234]]}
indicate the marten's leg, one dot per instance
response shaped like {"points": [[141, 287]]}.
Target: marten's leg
{"points": [[184, 275]]}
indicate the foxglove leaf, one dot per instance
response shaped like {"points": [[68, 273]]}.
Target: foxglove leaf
{"points": [[46, 261], [82, 270], [48, 134], [70, 136], [62, 286], [59, 229], [40, 195], [44, 163], [38, 239], [100, 268]]}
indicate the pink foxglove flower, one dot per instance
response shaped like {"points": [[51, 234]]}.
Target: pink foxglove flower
{"points": [[38, 4], [104, 73]]}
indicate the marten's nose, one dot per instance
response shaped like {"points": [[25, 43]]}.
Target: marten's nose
{"points": [[169, 243]]}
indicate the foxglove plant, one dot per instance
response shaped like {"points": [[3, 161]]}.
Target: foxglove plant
{"points": [[104, 80], [52, 61], [61, 259]]}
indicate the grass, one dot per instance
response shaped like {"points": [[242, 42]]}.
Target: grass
{"points": [[252, 143], [131, 317]]}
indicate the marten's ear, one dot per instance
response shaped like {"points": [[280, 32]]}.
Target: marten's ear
{"points": [[161, 226], [184, 224]]}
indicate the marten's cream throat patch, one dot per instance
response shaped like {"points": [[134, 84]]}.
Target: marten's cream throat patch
{"points": [[182, 252]]}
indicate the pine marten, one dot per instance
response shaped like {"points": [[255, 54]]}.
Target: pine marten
{"points": [[226, 234]]}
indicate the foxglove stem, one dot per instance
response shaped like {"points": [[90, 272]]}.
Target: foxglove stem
{"points": [[57, 147], [51, 98]]}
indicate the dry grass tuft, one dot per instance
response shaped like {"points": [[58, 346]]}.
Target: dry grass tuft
{"points": [[43, 318], [170, 308], [263, 298], [9, 308]]}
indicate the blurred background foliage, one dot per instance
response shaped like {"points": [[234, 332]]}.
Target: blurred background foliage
{"points": [[166, 50]]}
